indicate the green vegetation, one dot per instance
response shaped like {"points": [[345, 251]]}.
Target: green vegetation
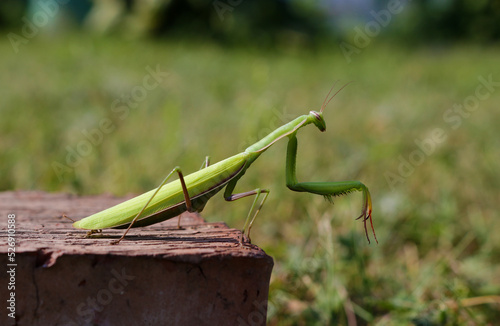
{"points": [[437, 222]]}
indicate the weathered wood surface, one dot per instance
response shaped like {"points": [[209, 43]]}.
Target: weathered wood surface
{"points": [[159, 275]]}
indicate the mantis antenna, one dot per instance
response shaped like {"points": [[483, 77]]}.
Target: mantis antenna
{"points": [[325, 103]]}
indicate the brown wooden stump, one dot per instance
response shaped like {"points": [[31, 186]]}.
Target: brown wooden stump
{"points": [[159, 275]]}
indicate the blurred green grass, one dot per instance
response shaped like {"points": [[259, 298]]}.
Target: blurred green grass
{"points": [[437, 262]]}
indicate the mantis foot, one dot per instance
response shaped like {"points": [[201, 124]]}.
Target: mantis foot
{"points": [[245, 241]]}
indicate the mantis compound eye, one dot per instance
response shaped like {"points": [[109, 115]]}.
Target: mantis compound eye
{"points": [[318, 120]]}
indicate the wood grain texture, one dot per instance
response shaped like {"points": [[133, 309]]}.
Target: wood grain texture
{"points": [[159, 275]]}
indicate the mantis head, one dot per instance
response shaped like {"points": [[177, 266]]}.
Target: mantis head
{"points": [[317, 117]]}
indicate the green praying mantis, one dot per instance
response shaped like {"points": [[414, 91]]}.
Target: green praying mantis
{"points": [[191, 193]]}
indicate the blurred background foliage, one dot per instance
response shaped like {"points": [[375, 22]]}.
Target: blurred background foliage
{"points": [[229, 72], [268, 23]]}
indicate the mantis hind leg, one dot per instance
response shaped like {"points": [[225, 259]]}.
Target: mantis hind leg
{"points": [[327, 189], [189, 206], [229, 196]]}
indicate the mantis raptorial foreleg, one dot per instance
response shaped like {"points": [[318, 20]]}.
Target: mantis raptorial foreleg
{"points": [[229, 196], [326, 189], [189, 207]]}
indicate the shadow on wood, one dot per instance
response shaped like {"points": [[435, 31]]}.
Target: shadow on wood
{"points": [[159, 275]]}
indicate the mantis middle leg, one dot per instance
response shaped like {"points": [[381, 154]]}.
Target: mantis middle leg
{"points": [[229, 196], [326, 189]]}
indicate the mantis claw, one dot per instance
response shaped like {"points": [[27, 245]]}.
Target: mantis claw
{"points": [[367, 214]]}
